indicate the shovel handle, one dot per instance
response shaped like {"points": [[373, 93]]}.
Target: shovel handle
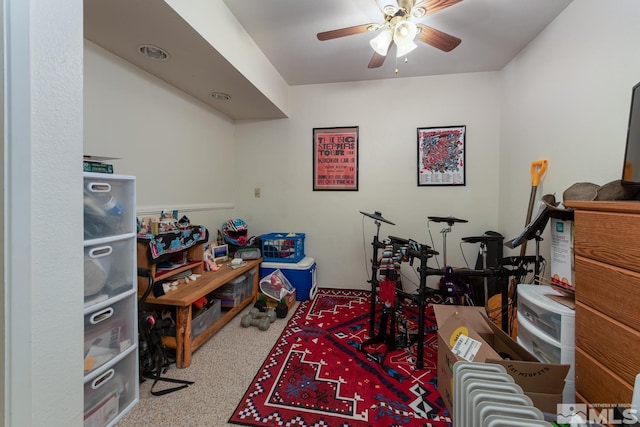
{"points": [[537, 170]]}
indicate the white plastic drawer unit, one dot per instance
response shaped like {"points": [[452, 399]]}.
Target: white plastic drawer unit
{"points": [[108, 205], [108, 268], [109, 329], [550, 317], [550, 351], [543, 348], [111, 391]]}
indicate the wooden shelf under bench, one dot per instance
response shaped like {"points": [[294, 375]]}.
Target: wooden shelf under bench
{"points": [[183, 298]]}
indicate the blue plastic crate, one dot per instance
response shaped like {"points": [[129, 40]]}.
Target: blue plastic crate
{"points": [[282, 247]]}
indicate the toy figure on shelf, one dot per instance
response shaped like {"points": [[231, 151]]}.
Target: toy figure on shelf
{"points": [[209, 263]]}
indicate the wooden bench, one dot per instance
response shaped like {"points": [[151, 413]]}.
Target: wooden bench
{"points": [[183, 298]]}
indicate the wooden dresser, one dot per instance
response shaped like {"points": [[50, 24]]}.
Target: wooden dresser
{"points": [[607, 277]]}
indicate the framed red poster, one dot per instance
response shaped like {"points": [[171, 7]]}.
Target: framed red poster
{"points": [[441, 153], [335, 158]]}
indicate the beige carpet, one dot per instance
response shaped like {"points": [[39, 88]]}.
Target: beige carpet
{"points": [[222, 369]]}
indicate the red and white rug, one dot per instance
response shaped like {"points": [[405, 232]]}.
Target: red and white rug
{"points": [[316, 375]]}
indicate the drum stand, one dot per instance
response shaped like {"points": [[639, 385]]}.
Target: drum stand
{"points": [[389, 314], [377, 244], [423, 253], [450, 221], [444, 232]]}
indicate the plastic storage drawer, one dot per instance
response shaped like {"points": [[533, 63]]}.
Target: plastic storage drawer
{"points": [[543, 348], [108, 331], [112, 391], [108, 269], [549, 351], [547, 315], [301, 275], [108, 206]]}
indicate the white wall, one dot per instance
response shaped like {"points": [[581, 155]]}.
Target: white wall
{"points": [[276, 156], [566, 98], [179, 149], [43, 213]]}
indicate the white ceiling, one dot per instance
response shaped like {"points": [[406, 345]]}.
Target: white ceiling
{"points": [[492, 33]]}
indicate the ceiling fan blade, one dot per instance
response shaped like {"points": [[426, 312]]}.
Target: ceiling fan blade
{"points": [[376, 60], [433, 6], [436, 38], [348, 31]]}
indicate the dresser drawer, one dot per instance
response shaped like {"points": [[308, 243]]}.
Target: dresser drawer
{"points": [[609, 237], [611, 343], [612, 291], [549, 316], [597, 384]]}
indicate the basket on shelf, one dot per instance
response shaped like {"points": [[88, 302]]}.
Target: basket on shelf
{"points": [[282, 247]]}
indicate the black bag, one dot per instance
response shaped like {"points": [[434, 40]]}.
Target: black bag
{"points": [[152, 354]]}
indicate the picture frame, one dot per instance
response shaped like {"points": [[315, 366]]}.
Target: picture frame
{"points": [[220, 253], [441, 156], [335, 158]]}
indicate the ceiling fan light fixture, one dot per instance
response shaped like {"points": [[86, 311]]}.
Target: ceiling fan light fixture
{"points": [[404, 33], [418, 12], [403, 49], [389, 9], [381, 42]]}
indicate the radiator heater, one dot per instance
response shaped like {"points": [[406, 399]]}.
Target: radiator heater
{"points": [[485, 395]]}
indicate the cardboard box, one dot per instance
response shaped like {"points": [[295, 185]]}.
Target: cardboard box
{"points": [[466, 333], [290, 299], [274, 287], [562, 256]]}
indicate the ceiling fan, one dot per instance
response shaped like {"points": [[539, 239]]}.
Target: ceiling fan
{"points": [[400, 29]]}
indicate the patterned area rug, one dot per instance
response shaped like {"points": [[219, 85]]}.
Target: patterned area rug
{"points": [[316, 375]]}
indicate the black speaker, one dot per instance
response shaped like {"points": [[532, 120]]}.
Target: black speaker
{"points": [[494, 255]]}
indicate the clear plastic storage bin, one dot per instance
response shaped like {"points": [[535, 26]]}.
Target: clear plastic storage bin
{"points": [[112, 391], [108, 332], [108, 206], [108, 269]]}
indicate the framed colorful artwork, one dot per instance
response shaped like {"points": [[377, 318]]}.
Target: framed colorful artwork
{"points": [[441, 156], [335, 158]]}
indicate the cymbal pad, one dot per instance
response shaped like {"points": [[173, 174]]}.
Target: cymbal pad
{"points": [[448, 219], [377, 216]]}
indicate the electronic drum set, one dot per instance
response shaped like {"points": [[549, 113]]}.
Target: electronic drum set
{"points": [[387, 288]]}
